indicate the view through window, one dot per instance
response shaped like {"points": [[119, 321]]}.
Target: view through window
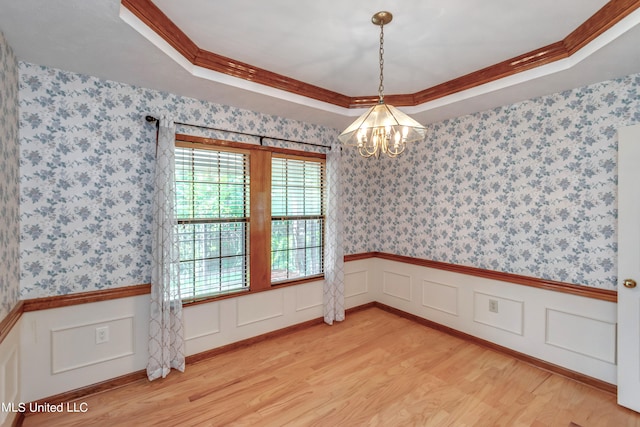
{"points": [[214, 217]]}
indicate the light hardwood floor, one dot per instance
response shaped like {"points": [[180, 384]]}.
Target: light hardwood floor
{"points": [[375, 368]]}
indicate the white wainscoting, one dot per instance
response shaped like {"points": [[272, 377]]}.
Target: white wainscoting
{"points": [[357, 279], [508, 314], [574, 332], [308, 296], [59, 352], [201, 321], [543, 324], [10, 376], [396, 285], [74, 347], [251, 315], [257, 308], [356, 283], [561, 332], [438, 296]]}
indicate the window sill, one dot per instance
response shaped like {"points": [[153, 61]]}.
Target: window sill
{"points": [[240, 293]]}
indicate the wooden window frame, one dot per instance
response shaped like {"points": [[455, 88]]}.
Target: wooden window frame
{"points": [[259, 210]]}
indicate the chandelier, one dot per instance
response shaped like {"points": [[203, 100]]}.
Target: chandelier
{"points": [[382, 129]]}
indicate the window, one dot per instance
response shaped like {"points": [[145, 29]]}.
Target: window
{"points": [[248, 216], [297, 218], [212, 210]]}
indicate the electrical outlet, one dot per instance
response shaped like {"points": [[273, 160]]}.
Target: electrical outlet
{"points": [[102, 334], [493, 305]]}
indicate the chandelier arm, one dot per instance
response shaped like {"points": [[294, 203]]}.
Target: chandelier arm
{"points": [[370, 148], [364, 153], [399, 150], [385, 143]]}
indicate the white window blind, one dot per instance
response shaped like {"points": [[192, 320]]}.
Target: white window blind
{"points": [[297, 218], [212, 209]]}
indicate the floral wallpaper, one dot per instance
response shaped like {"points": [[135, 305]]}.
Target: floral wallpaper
{"points": [[87, 156], [529, 188], [9, 180]]}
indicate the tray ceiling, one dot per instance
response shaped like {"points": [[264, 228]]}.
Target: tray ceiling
{"points": [[333, 46]]}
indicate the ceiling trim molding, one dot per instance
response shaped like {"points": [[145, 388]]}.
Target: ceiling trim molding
{"points": [[610, 14], [605, 18], [157, 21]]}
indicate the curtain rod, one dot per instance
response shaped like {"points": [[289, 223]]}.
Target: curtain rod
{"points": [[152, 119]]}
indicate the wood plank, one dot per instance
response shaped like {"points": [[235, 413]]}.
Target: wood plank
{"points": [[375, 368]]}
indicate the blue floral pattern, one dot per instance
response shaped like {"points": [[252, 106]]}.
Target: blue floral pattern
{"points": [[87, 157], [9, 180], [529, 188]]}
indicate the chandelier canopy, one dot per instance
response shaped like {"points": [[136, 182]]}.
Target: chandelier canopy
{"points": [[382, 129]]}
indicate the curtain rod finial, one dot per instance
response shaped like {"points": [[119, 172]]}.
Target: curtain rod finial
{"points": [[150, 119]]}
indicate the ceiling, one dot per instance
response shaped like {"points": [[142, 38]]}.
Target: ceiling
{"points": [[331, 45]]}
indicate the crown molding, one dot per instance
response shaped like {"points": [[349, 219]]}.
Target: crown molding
{"points": [[605, 18]]}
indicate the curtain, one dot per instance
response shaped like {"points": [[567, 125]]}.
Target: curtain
{"points": [[333, 292], [166, 343]]}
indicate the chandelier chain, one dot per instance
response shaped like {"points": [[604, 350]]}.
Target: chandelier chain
{"points": [[381, 60]]}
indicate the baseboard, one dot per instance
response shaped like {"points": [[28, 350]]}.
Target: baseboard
{"points": [[78, 393]]}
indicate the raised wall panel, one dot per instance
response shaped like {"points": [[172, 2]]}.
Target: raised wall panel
{"points": [[508, 318], [356, 283], [396, 285], [75, 347], [581, 334], [260, 306], [308, 296], [201, 320], [440, 297]]}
